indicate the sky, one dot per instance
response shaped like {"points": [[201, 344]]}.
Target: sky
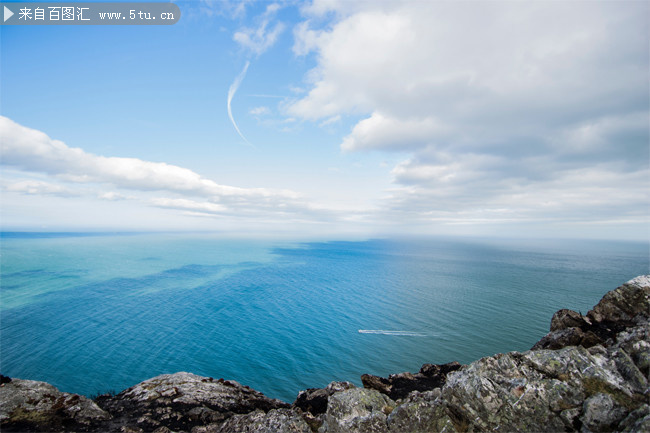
{"points": [[334, 119]]}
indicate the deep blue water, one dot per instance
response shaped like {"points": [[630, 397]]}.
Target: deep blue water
{"points": [[91, 314]]}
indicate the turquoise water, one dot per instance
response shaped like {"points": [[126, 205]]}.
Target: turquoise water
{"points": [[91, 314]]}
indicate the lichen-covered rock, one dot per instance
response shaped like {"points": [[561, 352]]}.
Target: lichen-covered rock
{"points": [[624, 307], [601, 413], [182, 401], [420, 412], [567, 337], [637, 421], [273, 421], [507, 393], [398, 386], [564, 318], [558, 389], [314, 400], [624, 304], [635, 341], [28, 405], [357, 410]]}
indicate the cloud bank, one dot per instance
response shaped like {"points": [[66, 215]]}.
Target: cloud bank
{"points": [[506, 111], [32, 151]]}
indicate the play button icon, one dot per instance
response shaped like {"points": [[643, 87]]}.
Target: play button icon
{"points": [[8, 13]]}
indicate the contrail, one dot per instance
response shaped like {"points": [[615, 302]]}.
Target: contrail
{"points": [[231, 92]]}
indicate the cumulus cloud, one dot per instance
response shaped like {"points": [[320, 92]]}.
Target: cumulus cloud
{"points": [[33, 151], [389, 133], [515, 107]]}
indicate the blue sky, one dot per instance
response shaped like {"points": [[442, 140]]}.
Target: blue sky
{"points": [[358, 119]]}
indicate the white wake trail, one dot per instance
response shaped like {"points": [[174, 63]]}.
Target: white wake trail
{"points": [[389, 332]]}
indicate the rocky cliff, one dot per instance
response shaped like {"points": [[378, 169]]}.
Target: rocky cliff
{"points": [[589, 374]]}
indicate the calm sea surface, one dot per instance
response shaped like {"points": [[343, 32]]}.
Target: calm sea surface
{"points": [[91, 314]]}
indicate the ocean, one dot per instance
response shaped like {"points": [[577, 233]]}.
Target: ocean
{"points": [[94, 313]]}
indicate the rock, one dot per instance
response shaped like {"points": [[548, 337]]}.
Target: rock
{"points": [[637, 421], [624, 307], [182, 401], [624, 304], [559, 389], [564, 318], [420, 412], [601, 413], [314, 400], [28, 405], [635, 341], [398, 386], [274, 421], [357, 410], [560, 338]]}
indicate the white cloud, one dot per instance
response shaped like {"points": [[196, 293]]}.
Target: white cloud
{"points": [[381, 132], [330, 121], [264, 36], [36, 187], [189, 205], [260, 111], [501, 105], [33, 151], [112, 196]]}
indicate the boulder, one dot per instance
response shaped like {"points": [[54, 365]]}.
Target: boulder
{"points": [[398, 386], [564, 318], [420, 412], [182, 401], [357, 410], [625, 304], [601, 413], [314, 400], [637, 421], [28, 405], [624, 307], [258, 421]]}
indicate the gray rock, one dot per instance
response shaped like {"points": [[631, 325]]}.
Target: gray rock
{"points": [[357, 410], [624, 307], [28, 405], [398, 386], [567, 337], [635, 341], [507, 393], [564, 318], [637, 421], [420, 412], [601, 413], [314, 400], [625, 303], [274, 421], [182, 401], [630, 372]]}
